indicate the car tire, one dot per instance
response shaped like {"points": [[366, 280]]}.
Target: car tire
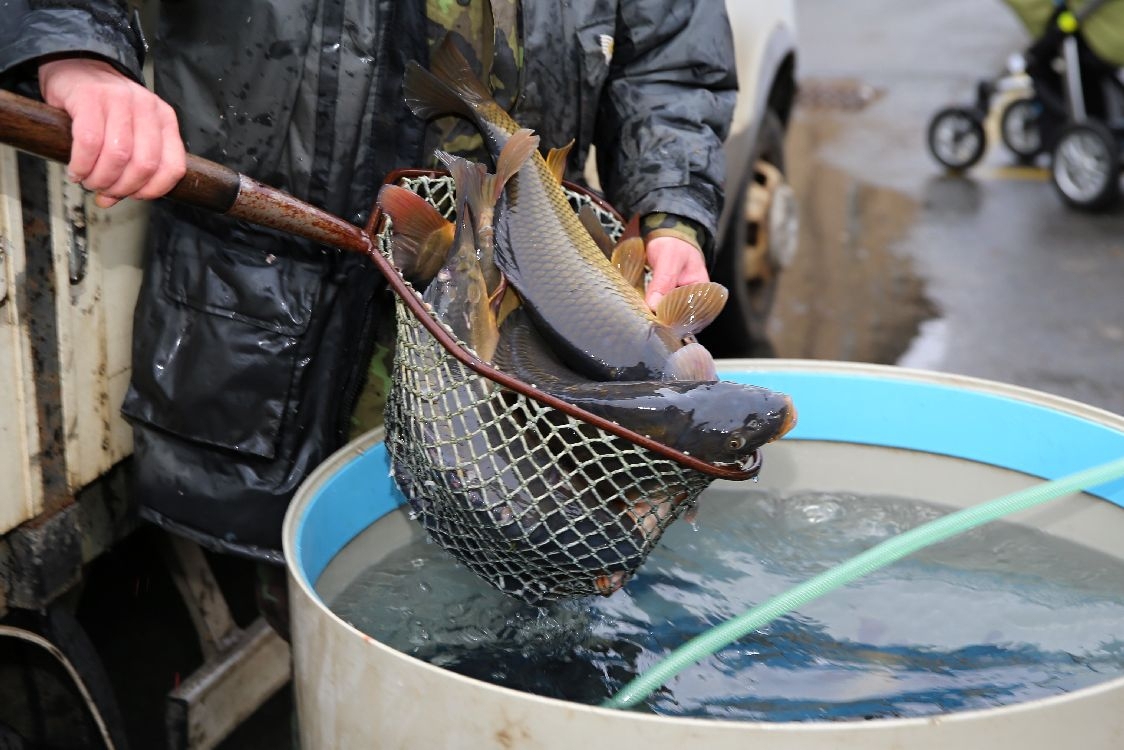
{"points": [[1085, 166], [747, 269], [61, 715], [956, 137]]}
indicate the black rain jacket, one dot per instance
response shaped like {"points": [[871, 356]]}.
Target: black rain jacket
{"points": [[250, 346]]}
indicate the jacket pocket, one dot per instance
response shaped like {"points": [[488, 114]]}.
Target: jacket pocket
{"points": [[218, 343]]}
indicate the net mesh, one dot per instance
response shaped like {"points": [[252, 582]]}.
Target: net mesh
{"points": [[541, 505]]}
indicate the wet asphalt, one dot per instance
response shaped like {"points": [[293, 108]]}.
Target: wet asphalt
{"points": [[987, 273]]}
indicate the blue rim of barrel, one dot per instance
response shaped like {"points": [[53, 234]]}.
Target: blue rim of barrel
{"points": [[966, 418]]}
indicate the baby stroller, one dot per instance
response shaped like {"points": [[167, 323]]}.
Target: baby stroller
{"points": [[1063, 96]]}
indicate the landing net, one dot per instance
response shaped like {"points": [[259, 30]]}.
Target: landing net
{"points": [[541, 505]]}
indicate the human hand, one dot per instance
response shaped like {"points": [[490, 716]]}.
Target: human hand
{"points": [[126, 141], [674, 263]]}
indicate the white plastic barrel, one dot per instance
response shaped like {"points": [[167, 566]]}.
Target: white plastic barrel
{"points": [[864, 429]]}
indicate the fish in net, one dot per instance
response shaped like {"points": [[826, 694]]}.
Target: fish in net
{"points": [[539, 503]]}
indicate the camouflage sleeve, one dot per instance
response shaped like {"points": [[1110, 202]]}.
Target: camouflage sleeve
{"points": [[670, 225], [34, 29], [667, 109]]}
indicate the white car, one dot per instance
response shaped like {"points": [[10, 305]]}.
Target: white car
{"points": [[757, 234]]}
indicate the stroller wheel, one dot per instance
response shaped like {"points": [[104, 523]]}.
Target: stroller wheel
{"points": [[1018, 127], [956, 137], [1086, 166]]}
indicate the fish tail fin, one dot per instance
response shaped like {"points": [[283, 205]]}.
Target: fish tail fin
{"points": [[466, 175], [428, 98], [692, 362], [689, 309], [515, 153], [449, 86], [482, 190], [421, 237]]}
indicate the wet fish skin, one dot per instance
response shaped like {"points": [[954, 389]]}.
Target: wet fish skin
{"points": [[453, 259], [459, 294], [720, 422], [597, 320]]}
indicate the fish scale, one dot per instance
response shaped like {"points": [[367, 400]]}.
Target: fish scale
{"points": [[571, 289]]}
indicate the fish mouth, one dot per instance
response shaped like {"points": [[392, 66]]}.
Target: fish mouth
{"points": [[786, 425], [789, 420]]}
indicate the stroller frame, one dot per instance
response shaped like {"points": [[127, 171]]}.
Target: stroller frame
{"points": [[1057, 98]]}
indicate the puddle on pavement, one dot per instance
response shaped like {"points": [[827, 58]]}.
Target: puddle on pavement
{"points": [[847, 295]]}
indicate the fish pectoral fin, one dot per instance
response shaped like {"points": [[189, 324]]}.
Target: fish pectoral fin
{"points": [[421, 236], [596, 229], [629, 257], [556, 160], [690, 308], [504, 300], [486, 342], [692, 362]]}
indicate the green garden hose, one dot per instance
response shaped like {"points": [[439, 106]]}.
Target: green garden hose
{"points": [[876, 557]]}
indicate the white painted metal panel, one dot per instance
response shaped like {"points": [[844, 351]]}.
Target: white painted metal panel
{"points": [[21, 490], [116, 239], [97, 267]]}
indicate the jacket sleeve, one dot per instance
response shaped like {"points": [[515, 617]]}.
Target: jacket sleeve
{"points": [[33, 29], [666, 110]]}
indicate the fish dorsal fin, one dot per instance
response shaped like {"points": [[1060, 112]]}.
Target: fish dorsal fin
{"points": [[689, 309], [692, 362], [629, 258], [468, 177], [482, 190], [596, 229], [556, 160], [421, 236], [513, 156], [520, 147]]}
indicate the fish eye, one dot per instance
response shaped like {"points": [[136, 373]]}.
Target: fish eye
{"points": [[735, 443]]}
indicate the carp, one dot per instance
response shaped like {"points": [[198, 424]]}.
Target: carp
{"points": [[595, 319], [720, 422]]}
